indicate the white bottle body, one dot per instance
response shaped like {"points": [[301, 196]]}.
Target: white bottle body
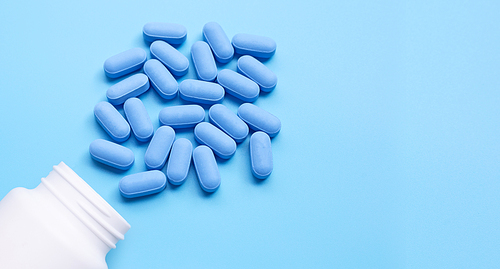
{"points": [[62, 223]]}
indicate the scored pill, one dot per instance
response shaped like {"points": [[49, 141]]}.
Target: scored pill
{"points": [[203, 61], [130, 87], [179, 161], [111, 154], [218, 41], [177, 63], [124, 63], [228, 122], [183, 116], [139, 120], [206, 168], [161, 79], [259, 119], [261, 155], [142, 184], [238, 85], [258, 72], [201, 92], [112, 121], [172, 33], [257, 46], [159, 147], [207, 134]]}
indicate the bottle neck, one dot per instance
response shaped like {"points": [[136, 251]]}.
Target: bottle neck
{"points": [[86, 205]]}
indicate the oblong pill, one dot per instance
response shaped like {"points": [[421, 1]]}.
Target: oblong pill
{"points": [[206, 168], [125, 62], [179, 161], [258, 72], [112, 121], [207, 134], [218, 41], [261, 155], [238, 85], [159, 147], [111, 154], [142, 184], [184, 116], [255, 45], [172, 33], [130, 87], [139, 120], [201, 92], [161, 79], [259, 120], [228, 122], [177, 63], [203, 61]]}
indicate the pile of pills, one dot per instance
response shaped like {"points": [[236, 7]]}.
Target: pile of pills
{"points": [[219, 136]]}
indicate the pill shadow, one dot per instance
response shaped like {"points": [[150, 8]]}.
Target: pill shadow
{"points": [[262, 60], [118, 79], [141, 198]]}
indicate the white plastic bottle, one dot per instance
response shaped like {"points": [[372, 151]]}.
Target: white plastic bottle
{"points": [[62, 223]]}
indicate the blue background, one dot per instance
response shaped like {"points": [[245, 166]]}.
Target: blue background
{"points": [[388, 155]]}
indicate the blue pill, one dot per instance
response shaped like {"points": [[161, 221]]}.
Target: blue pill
{"points": [[159, 147], [258, 46], [172, 33], [238, 85], [179, 161], [207, 134], [203, 61], [184, 116], [206, 168], [228, 122], [261, 155], [130, 87], [177, 63], [112, 121], [218, 41], [139, 120], [111, 154], [259, 120], [142, 184], [161, 79], [201, 92], [124, 63], [258, 72]]}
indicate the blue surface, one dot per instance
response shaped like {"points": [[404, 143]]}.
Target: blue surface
{"points": [[390, 161]]}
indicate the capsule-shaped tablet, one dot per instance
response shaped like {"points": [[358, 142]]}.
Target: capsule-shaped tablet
{"points": [[142, 184], [206, 168], [207, 134], [111, 154], [257, 46], [112, 121], [124, 63], [177, 63], [258, 72], [161, 79], [184, 116], [259, 119], [159, 147], [201, 92], [130, 87], [261, 155], [179, 161], [228, 122], [139, 120], [238, 85], [172, 33], [218, 41], [203, 61]]}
